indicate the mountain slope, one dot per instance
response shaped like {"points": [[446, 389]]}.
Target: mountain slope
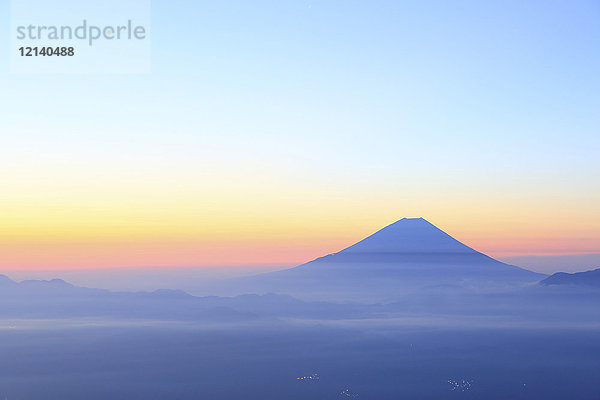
{"points": [[409, 235], [406, 255], [587, 278]]}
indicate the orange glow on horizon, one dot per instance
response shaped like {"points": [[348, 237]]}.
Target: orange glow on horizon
{"points": [[275, 225], [272, 251]]}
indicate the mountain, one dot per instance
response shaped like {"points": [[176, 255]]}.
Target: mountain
{"points": [[409, 235], [405, 256], [57, 299], [587, 278]]}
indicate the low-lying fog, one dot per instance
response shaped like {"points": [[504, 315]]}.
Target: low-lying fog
{"points": [[62, 341]]}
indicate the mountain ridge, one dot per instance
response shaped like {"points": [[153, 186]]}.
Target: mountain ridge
{"points": [[406, 255], [586, 278]]}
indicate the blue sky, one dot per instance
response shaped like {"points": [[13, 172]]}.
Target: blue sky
{"points": [[486, 106]]}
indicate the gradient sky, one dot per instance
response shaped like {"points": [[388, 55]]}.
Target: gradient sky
{"points": [[277, 131]]}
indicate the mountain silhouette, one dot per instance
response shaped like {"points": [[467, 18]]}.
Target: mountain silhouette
{"points": [[405, 256], [409, 235], [57, 299], [587, 278]]}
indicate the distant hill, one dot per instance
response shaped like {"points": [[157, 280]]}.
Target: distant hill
{"points": [[587, 278], [60, 300], [406, 255]]}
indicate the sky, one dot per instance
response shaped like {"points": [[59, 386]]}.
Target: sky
{"points": [[273, 132]]}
